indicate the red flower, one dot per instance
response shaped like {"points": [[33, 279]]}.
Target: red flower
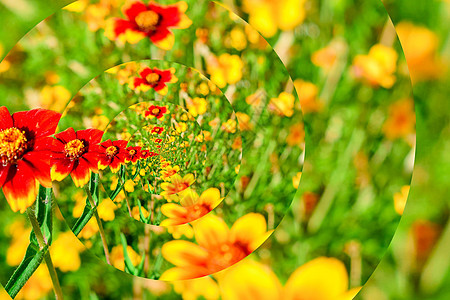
{"points": [[155, 79], [156, 111], [152, 21], [145, 154], [158, 130], [112, 154], [25, 154], [153, 154], [133, 154], [158, 141], [77, 154]]}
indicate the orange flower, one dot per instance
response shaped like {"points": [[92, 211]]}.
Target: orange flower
{"points": [[227, 69], [192, 207], [322, 278], [244, 121], [153, 21], [283, 105], [218, 246], [308, 96], [169, 171], [401, 120], [420, 46], [296, 135], [177, 184], [325, 57], [378, 67], [118, 259]]}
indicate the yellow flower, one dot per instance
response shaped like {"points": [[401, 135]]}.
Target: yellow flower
{"points": [[181, 127], [308, 96], [400, 199], [129, 186], [229, 126], [106, 210], [237, 143], [401, 120], [19, 243], [420, 46], [378, 67], [179, 230], [193, 289], [118, 259], [203, 89], [65, 252], [322, 278], [254, 99], [227, 69], [197, 106], [238, 39], [283, 105], [267, 16], [244, 121], [54, 97], [89, 230], [325, 57], [218, 246], [135, 213], [177, 184], [296, 180], [100, 122], [192, 207], [296, 135], [169, 171]]}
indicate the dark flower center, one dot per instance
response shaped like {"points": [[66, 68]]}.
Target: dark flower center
{"points": [[74, 149], [111, 151], [132, 152], [156, 111], [147, 20], [13, 144]]}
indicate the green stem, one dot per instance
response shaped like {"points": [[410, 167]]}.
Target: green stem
{"points": [[48, 260]]}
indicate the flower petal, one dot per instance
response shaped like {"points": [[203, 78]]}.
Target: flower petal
{"points": [[61, 168], [210, 231], [183, 273], [41, 122], [163, 39], [248, 228], [184, 253], [66, 135], [6, 120], [132, 9], [81, 173]]}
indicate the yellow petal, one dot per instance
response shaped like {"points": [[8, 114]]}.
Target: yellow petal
{"points": [[322, 278], [184, 253], [249, 228], [210, 231], [166, 43]]}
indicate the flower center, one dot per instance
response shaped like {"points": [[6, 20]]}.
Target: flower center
{"points": [[74, 149], [147, 20], [156, 111], [152, 78], [111, 151], [13, 144], [132, 152]]}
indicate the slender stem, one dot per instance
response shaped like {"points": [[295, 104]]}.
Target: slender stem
{"points": [[48, 260], [100, 226]]}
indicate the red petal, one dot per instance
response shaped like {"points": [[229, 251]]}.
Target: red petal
{"points": [[134, 9], [107, 143], [20, 188], [39, 162], [138, 81], [121, 26], [80, 173], [92, 159], [61, 168], [170, 15], [159, 34], [4, 170], [146, 72], [121, 144], [41, 122], [6, 120], [92, 136], [66, 135]]}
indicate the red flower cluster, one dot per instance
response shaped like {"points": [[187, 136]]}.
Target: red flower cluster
{"points": [[152, 21], [155, 79], [133, 154], [112, 154], [25, 145], [156, 111]]}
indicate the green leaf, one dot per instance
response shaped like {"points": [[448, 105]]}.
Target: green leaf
{"points": [[119, 184], [128, 263], [140, 267], [31, 261]]}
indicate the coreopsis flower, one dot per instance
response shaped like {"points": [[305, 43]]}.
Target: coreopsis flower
{"points": [[217, 248], [198, 288], [196, 106], [106, 210], [112, 154], [180, 127], [177, 184], [227, 69], [244, 121], [420, 46], [308, 96], [296, 135], [145, 154], [322, 278], [65, 252], [156, 111], [118, 259], [129, 186], [378, 67], [158, 141], [153, 21], [136, 214], [229, 126], [169, 171], [157, 130], [401, 120], [191, 207], [283, 105], [325, 58], [25, 151], [400, 199], [267, 16], [154, 79], [132, 154], [77, 154]]}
